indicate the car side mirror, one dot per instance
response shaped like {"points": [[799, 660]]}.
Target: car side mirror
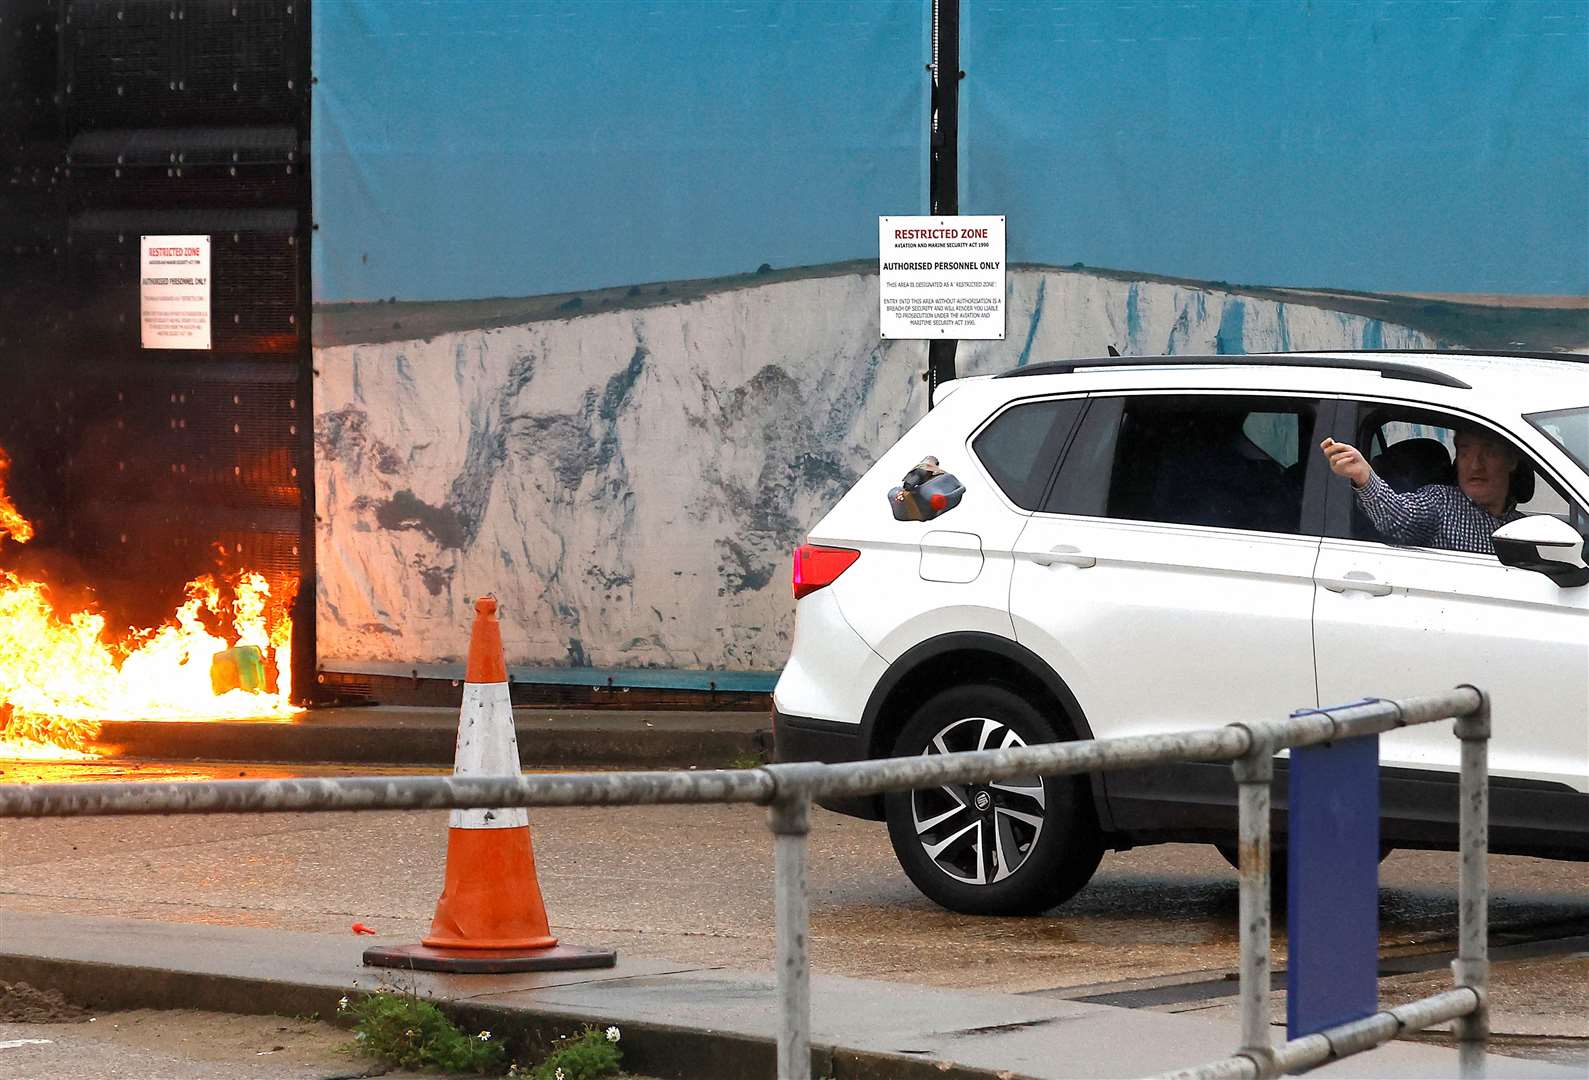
{"points": [[1546, 545]]}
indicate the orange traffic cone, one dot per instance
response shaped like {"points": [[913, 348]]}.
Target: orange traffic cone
{"points": [[490, 917]]}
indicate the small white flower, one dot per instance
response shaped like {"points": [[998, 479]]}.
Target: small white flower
{"points": [[612, 1034], [560, 1075], [483, 1036], [342, 1004]]}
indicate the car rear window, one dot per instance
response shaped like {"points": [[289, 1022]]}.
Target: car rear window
{"points": [[1022, 445], [1196, 459]]}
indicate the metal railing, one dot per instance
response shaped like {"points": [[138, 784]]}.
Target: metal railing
{"points": [[788, 790]]}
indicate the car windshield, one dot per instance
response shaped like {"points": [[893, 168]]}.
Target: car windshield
{"points": [[1568, 429]]}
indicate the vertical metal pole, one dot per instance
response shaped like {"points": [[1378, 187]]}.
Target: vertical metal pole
{"points": [[1254, 772], [789, 818], [1471, 968], [305, 640], [944, 138], [945, 131]]}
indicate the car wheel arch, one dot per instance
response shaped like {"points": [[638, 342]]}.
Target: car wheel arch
{"points": [[955, 659]]}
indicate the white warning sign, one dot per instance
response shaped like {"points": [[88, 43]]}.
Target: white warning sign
{"points": [[941, 277], [174, 292]]}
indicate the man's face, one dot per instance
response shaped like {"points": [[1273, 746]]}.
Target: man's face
{"points": [[1484, 469]]}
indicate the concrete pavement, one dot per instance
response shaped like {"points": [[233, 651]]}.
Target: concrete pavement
{"points": [[696, 882], [678, 1019], [685, 895]]}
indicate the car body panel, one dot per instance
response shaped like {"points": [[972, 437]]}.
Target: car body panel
{"points": [[884, 595], [1451, 617], [1151, 636], [830, 669]]}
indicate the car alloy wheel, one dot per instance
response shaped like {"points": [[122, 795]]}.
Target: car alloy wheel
{"points": [[1010, 847], [981, 832]]}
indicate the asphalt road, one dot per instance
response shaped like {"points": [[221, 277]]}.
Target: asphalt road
{"points": [[1155, 929]]}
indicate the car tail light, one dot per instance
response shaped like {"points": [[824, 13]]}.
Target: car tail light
{"points": [[816, 566]]}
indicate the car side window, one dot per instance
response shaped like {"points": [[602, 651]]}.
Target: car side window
{"points": [[1021, 447], [1227, 462], [1411, 448]]}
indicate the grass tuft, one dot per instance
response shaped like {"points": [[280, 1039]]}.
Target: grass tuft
{"points": [[401, 1030], [590, 1055]]}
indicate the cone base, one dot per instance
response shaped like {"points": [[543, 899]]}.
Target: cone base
{"points": [[488, 961], [491, 898]]}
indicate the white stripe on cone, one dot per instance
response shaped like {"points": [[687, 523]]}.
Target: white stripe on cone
{"points": [[487, 747]]}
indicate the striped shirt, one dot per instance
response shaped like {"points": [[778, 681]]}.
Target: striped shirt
{"points": [[1436, 515]]}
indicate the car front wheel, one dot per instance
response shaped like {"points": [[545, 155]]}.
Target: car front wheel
{"points": [[1009, 847]]}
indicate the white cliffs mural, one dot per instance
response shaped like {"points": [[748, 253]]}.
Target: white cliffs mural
{"points": [[629, 472]]}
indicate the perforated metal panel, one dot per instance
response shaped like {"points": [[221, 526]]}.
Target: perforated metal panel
{"points": [[256, 291], [142, 63], [30, 162], [144, 468], [193, 167], [194, 434], [27, 69]]}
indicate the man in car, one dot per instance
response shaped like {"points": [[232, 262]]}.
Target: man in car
{"points": [[1459, 518]]}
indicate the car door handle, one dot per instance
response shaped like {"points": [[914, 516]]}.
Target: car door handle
{"points": [[1357, 581], [1062, 553]]}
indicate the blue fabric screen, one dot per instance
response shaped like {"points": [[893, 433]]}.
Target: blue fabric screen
{"points": [[1438, 147], [466, 150]]}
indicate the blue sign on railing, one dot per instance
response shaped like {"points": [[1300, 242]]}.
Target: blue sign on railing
{"points": [[1333, 862]]}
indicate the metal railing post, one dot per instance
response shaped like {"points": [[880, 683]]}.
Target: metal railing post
{"points": [[1471, 968], [789, 818], [1254, 772]]}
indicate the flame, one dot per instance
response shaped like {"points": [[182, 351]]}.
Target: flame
{"points": [[28, 750], [12, 523], [61, 674]]}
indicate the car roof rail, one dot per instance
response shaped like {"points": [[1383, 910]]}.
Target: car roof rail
{"points": [[1389, 369], [1493, 354]]}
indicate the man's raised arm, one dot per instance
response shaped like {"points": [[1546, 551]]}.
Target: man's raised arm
{"points": [[1399, 519]]}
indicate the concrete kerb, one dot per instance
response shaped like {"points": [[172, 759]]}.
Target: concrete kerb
{"points": [[547, 738], [649, 1048]]}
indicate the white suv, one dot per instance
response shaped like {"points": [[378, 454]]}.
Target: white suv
{"points": [[1153, 544]]}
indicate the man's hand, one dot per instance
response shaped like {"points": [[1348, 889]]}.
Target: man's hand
{"points": [[1346, 461]]}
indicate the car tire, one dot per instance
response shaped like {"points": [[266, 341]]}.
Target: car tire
{"points": [[1018, 848]]}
